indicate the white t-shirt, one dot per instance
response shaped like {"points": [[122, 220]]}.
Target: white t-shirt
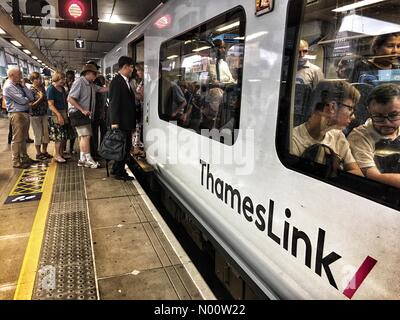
{"points": [[225, 74], [363, 141], [335, 139]]}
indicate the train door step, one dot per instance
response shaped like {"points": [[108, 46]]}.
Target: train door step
{"points": [[143, 165]]}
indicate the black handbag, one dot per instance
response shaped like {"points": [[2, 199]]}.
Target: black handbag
{"points": [[113, 145], [78, 119]]}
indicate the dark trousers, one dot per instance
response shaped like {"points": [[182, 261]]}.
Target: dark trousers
{"points": [[94, 141], [119, 166]]}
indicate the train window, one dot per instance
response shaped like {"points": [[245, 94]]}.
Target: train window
{"points": [[339, 113], [139, 51], [3, 64], [201, 77]]}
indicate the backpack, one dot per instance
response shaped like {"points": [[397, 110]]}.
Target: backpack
{"points": [[325, 155], [113, 146]]}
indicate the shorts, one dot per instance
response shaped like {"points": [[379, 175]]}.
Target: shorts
{"points": [[85, 130]]}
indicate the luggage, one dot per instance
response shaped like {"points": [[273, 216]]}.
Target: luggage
{"points": [[113, 146]]}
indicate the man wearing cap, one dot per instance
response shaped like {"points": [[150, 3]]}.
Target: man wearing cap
{"points": [[82, 97], [93, 63]]}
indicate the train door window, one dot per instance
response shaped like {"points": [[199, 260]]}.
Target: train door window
{"points": [[139, 51], [11, 60], [339, 112], [201, 77], [115, 68], [137, 84], [3, 64]]}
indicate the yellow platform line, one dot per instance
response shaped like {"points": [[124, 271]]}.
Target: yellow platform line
{"points": [[29, 267]]}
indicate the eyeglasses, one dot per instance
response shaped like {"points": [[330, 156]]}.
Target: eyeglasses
{"points": [[393, 116], [351, 108]]}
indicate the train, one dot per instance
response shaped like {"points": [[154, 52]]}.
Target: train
{"points": [[281, 227], [12, 56]]}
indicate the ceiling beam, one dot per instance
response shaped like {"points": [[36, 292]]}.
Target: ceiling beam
{"points": [[76, 51], [6, 23], [72, 40]]}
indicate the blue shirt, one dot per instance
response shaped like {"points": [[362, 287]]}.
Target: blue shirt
{"points": [[17, 97], [59, 98]]}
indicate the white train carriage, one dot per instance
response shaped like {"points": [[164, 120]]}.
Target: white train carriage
{"points": [[289, 228]]}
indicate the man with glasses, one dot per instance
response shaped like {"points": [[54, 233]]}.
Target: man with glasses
{"points": [[307, 73], [376, 144], [333, 102]]}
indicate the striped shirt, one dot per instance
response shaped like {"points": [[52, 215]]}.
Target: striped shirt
{"points": [[17, 97]]}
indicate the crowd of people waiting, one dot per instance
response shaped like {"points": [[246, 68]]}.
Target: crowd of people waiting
{"points": [[49, 106]]}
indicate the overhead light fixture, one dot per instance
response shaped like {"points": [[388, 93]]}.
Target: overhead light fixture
{"points": [[229, 26], [2, 31], [26, 51], [40, 61], [365, 25], [34, 57], [118, 21], [201, 48], [172, 57], [256, 35], [356, 5], [16, 43]]}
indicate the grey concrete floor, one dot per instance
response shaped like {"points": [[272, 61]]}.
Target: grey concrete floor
{"points": [[15, 219], [133, 258]]}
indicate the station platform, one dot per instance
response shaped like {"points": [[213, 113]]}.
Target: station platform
{"points": [[68, 232]]}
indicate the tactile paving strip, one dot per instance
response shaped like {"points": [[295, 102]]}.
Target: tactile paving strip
{"points": [[66, 268]]}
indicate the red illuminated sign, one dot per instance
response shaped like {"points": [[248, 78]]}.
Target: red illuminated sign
{"points": [[75, 10], [163, 22]]}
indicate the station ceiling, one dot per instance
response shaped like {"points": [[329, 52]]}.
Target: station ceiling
{"points": [[116, 19]]}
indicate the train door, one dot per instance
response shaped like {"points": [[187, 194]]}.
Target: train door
{"points": [[137, 84]]}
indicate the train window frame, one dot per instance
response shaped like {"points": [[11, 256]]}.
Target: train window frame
{"points": [[361, 186], [233, 13]]}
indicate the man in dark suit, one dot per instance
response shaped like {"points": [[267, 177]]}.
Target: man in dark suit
{"points": [[123, 111]]}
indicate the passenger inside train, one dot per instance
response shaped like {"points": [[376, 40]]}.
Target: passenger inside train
{"points": [[362, 46], [376, 144], [200, 83], [321, 134]]}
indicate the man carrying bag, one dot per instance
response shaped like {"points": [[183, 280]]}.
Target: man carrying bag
{"points": [[82, 98], [123, 112], [113, 146]]}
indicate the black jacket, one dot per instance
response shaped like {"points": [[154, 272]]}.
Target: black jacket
{"points": [[122, 104]]}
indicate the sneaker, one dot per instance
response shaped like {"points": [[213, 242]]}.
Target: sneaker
{"points": [[20, 165], [67, 156], [81, 163], [60, 159], [29, 161], [47, 155], [41, 157], [92, 164]]}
